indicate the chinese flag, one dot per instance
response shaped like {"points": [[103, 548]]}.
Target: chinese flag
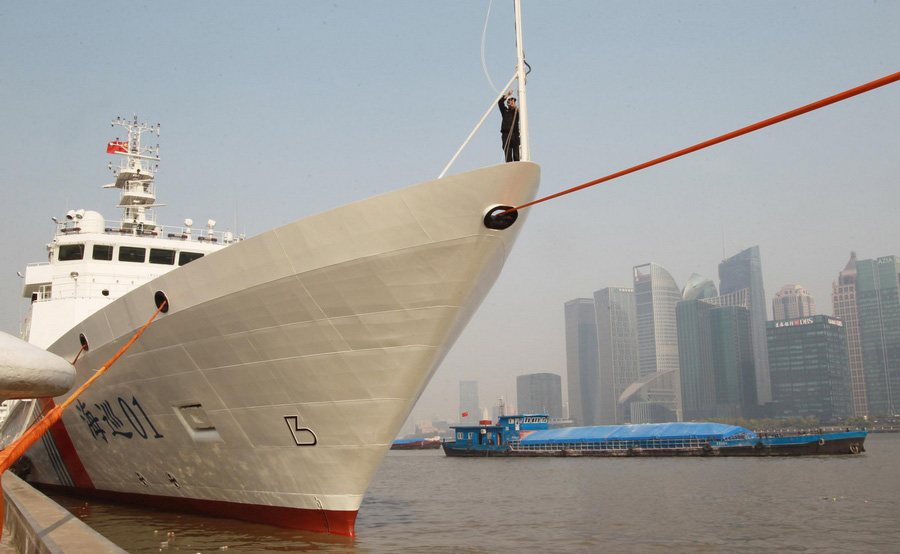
{"points": [[465, 414], [116, 146]]}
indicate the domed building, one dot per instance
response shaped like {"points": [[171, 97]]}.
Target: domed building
{"points": [[698, 287]]}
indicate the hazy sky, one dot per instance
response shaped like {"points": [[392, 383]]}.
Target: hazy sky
{"points": [[273, 111]]}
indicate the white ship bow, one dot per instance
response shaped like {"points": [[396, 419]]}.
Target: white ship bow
{"points": [[287, 362]]}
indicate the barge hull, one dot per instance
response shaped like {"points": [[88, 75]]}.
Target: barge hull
{"points": [[762, 448]]}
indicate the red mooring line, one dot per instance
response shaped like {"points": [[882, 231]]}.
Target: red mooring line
{"points": [[749, 129]]}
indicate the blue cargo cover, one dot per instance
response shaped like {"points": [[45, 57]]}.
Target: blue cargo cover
{"points": [[716, 431]]}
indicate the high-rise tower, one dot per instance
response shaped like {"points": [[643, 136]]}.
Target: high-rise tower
{"points": [[843, 301], [792, 302], [744, 271], [539, 393], [469, 411], [582, 364], [655, 296], [617, 344], [810, 368], [878, 302]]}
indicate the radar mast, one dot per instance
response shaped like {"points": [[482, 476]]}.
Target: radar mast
{"points": [[134, 176]]}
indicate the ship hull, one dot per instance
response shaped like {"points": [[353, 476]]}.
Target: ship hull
{"points": [[286, 363]]}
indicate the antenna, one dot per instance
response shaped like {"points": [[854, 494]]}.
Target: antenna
{"points": [[134, 175], [520, 76], [724, 252]]}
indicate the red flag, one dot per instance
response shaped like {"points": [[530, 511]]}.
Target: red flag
{"points": [[465, 414], [117, 146]]}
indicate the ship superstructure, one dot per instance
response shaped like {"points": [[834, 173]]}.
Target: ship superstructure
{"points": [[92, 262]]}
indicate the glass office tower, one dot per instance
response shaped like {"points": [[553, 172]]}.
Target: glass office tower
{"points": [[617, 343], [582, 363], [843, 301], [878, 303], [744, 271], [810, 368], [539, 393], [468, 403]]}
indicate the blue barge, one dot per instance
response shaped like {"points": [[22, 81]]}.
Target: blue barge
{"points": [[529, 435]]}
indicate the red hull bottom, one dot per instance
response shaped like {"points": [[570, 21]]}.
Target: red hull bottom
{"points": [[336, 522]]}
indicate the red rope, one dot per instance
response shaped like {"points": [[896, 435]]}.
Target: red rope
{"points": [[749, 129], [83, 347], [14, 451]]}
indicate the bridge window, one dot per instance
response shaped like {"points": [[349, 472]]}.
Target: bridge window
{"points": [[69, 252], [102, 252], [160, 256], [132, 254], [187, 257]]}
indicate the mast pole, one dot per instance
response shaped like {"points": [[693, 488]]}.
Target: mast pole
{"points": [[520, 73]]}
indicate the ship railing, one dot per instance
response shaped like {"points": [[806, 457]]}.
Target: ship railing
{"points": [[150, 229], [99, 286], [679, 443]]}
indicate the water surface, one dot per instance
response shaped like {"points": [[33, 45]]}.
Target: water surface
{"points": [[424, 502]]}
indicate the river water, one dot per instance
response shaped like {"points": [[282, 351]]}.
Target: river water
{"points": [[425, 502]]}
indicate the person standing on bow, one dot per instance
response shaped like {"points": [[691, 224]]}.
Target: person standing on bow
{"points": [[509, 128]]}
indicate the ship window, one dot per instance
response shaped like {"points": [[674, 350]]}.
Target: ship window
{"points": [[102, 252], [132, 254], [160, 256], [69, 252], [186, 257]]}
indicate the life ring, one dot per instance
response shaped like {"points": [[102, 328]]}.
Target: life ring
{"points": [[821, 442], [854, 448], [707, 447]]}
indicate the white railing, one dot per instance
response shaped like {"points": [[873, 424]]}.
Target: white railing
{"points": [[94, 286], [613, 445], [160, 231]]}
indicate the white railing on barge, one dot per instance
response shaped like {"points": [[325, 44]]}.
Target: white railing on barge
{"points": [[614, 445]]}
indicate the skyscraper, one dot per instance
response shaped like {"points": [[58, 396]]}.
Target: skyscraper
{"points": [[717, 376], [582, 363], [655, 296], [843, 301], [878, 302], [744, 271], [810, 368], [617, 344], [695, 351], [468, 403], [792, 302], [733, 362], [539, 393]]}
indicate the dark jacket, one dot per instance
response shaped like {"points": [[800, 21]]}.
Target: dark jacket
{"points": [[510, 118]]}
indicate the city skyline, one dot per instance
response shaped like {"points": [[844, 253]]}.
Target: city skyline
{"points": [[586, 308], [700, 288]]}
